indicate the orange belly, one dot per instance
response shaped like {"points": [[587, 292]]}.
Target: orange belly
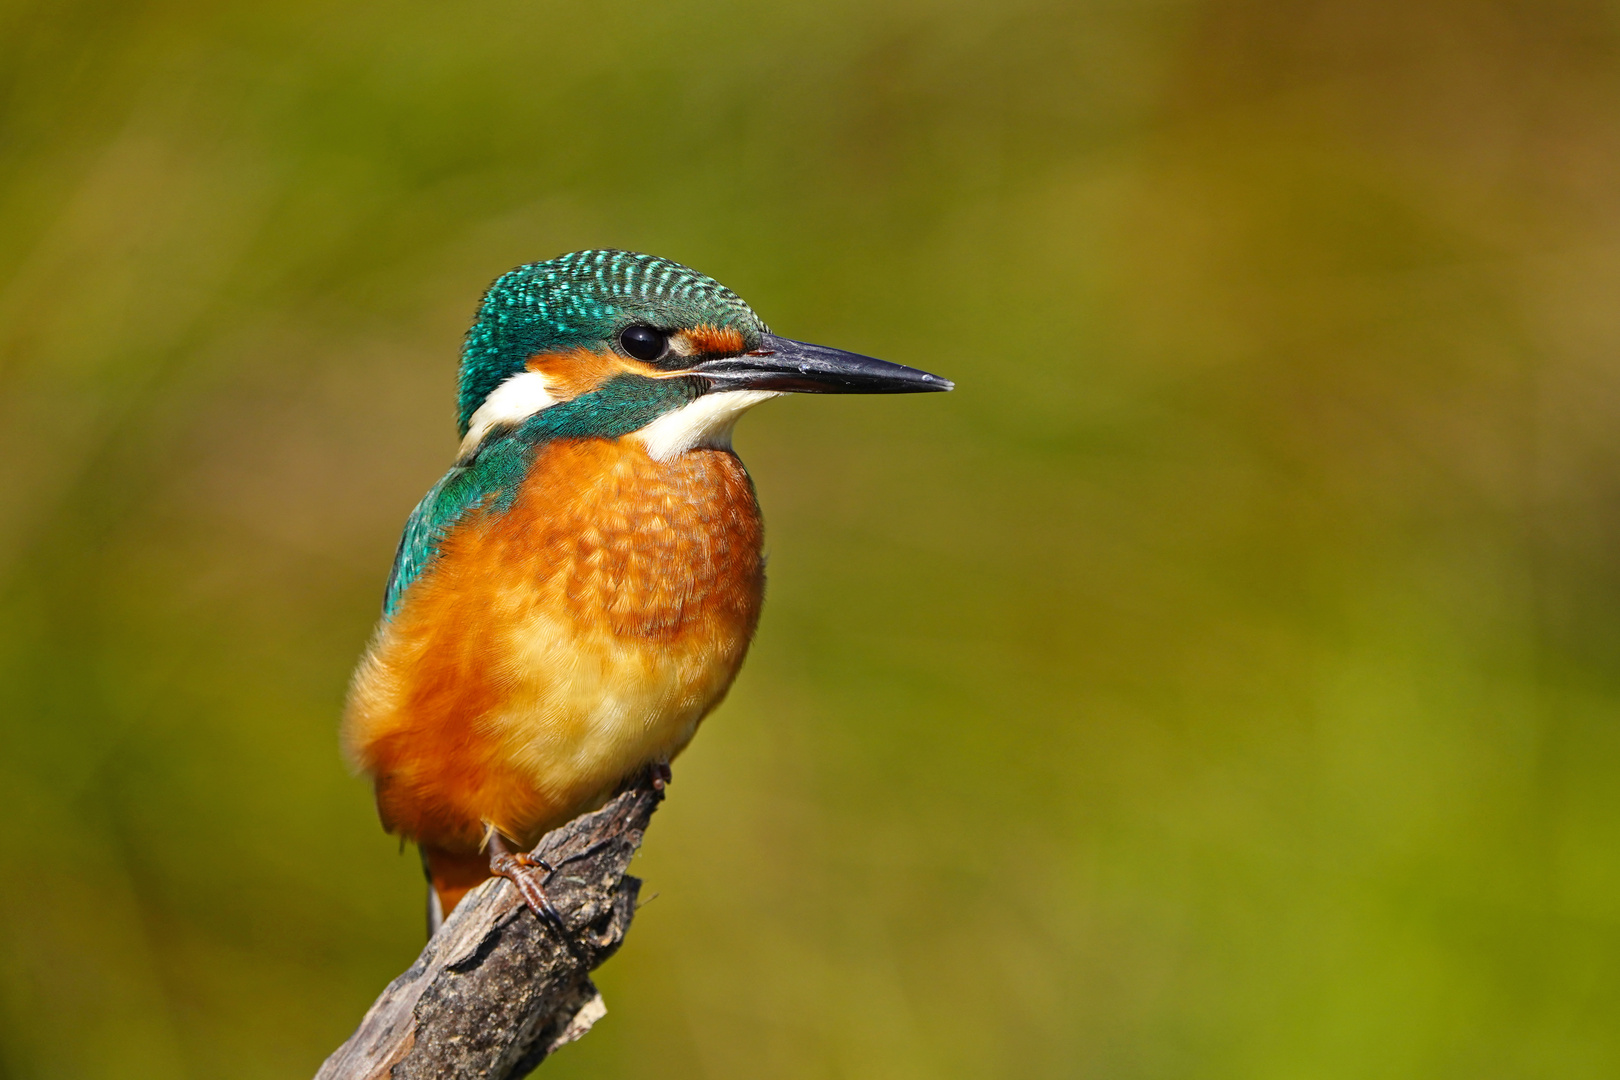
{"points": [[557, 647]]}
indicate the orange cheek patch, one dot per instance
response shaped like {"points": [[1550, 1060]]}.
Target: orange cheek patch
{"points": [[574, 372], [714, 340]]}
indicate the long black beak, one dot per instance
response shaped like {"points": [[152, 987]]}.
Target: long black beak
{"points": [[783, 364]]}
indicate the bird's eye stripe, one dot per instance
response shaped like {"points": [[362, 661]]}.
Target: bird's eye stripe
{"points": [[709, 340]]}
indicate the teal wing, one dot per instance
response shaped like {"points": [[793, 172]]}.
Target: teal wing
{"points": [[493, 475], [490, 478]]}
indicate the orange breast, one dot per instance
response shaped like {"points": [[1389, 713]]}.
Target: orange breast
{"points": [[557, 647]]}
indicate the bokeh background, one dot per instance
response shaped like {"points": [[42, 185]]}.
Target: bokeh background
{"points": [[1223, 682]]}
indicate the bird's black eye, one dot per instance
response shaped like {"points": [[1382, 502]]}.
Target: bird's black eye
{"points": [[643, 342]]}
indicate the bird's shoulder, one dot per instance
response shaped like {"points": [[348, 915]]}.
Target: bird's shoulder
{"points": [[489, 478]]}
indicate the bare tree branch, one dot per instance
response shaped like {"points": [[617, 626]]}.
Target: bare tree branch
{"points": [[497, 989]]}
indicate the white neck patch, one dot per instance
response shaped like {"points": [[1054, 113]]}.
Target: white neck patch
{"points": [[518, 398], [708, 421]]}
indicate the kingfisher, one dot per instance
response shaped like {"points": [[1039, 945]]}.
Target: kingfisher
{"points": [[577, 593]]}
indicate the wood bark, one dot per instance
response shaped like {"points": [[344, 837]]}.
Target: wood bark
{"points": [[497, 988]]}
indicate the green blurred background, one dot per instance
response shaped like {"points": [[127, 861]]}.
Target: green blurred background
{"points": [[1223, 682]]}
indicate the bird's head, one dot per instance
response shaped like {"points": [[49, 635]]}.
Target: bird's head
{"points": [[640, 344]]}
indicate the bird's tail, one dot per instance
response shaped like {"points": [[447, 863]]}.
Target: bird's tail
{"points": [[451, 875]]}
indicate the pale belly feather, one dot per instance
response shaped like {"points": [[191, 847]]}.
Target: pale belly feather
{"points": [[587, 706]]}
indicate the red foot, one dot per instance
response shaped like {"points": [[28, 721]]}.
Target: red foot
{"points": [[520, 869], [660, 775]]}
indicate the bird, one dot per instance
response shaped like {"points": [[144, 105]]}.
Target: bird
{"points": [[579, 590]]}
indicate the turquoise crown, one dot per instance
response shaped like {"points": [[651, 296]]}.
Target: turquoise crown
{"points": [[584, 299]]}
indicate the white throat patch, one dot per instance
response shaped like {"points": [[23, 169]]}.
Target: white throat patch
{"points": [[708, 421], [518, 398]]}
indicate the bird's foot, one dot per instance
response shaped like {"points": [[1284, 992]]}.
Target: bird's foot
{"points": [[520, 869], [661, 776]]}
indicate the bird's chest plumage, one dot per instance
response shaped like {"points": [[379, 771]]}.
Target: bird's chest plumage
{"points": [[560, 643]]}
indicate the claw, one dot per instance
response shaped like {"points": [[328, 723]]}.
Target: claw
{"points": [[520, 869]]}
